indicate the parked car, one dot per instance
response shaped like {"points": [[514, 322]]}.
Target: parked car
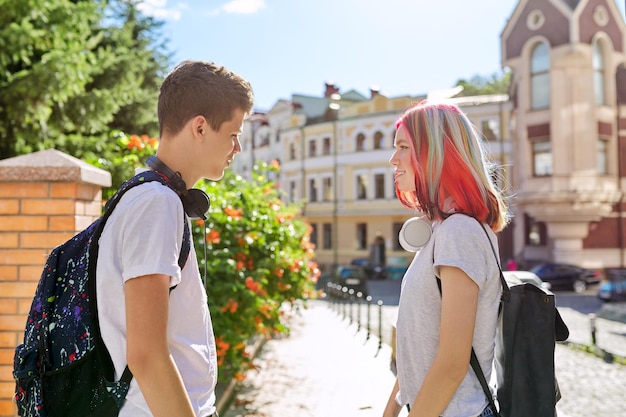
{"points": [[351, 277], [525, 276], [395, 273], [566, 276], [372, 271], [613, 288]]}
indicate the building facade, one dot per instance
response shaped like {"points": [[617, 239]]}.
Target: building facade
{"points": [[558, 137], [334, 153], [568, 93]]}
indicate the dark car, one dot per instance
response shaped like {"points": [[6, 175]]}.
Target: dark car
{"points": [[352, 277], [566, 276], [614, 287], [372, 271]]}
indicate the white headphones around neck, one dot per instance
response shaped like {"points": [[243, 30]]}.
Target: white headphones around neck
{"points": [[415, 234]]}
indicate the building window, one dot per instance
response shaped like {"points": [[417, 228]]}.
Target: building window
{"points": [[536, 232], [396, 233], [328, 189], [542, 158], [328, 236], [312, 191], [490, 129], [379, 186], [326, 146], [361, 236], [313, 235], [598, 73], [540, 77], [602, 157], [379, 140], [292, 152], [361, 187], [312, 148], [360, 142], [292, 191]]}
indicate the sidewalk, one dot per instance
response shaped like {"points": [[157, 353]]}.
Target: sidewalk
{"points": [[323, 368], [610, 328]]}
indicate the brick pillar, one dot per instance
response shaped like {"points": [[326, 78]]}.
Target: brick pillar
{"points": [[45, 198]]}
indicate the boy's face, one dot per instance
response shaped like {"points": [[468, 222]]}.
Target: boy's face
{"points": [[220, 147]]}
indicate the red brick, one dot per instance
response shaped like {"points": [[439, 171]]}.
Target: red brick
{"points": [[10, 322], [43, 240], [8, 339], [89, 192], [9, 206], [8, 306], [29, 273], [48, 206], [62, 224], [63, 190], [23, 223], [24, 305], [24, 189], [7, 408], [8, 273], [9, 240], [22, 257]]}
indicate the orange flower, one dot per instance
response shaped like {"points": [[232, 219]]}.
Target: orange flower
{"points": [[275, 164], [255, 287], [234, 213], [231, 306], [135, 143], [213, 236]]}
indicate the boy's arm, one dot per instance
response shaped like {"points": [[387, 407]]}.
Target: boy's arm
{"points": [[148, 355]]}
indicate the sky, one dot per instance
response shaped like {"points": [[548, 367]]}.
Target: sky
{"points": [[286, 47]]}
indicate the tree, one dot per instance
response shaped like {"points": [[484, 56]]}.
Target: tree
{"points": [[479, 85], [73, 71]]}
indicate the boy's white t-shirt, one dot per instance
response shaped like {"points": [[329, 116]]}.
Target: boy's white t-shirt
{"points": [[458, 241], [144, 236]]}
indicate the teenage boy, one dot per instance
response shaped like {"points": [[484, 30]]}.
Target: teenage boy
{"points": [[165, 334]]}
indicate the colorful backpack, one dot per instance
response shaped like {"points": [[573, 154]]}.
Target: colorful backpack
{"points": [[63, 368]]}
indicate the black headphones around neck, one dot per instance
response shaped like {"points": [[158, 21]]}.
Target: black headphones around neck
{"points": [[195, 202]]}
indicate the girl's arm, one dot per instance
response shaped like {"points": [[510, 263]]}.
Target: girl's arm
{"points": [[458, 316]]}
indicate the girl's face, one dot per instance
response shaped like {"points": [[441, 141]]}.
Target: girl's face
{"points": [[404, 175]]}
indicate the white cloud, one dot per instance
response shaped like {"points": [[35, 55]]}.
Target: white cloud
{"points": [[159, 9], [244, 6]]}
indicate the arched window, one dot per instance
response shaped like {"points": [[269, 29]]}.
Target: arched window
{"points": [[360, 142], [379, 140], [540, 76], [598, 73]]}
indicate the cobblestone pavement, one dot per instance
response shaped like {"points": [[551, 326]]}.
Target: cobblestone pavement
{"points": [[326, 368]]}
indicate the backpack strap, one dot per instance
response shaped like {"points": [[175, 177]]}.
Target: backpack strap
{"points": [[473, 358], [138, 179]]}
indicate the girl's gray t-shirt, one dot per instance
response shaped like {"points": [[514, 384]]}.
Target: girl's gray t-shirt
{"points": [[458, 241]]}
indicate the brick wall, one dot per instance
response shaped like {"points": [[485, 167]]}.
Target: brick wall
{"points": [[45, 198]]}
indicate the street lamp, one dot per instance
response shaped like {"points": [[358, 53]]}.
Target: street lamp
{"points": [[335, 107]]}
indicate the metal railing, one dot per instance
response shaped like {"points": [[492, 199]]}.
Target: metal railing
{"points": [[349, 304]]}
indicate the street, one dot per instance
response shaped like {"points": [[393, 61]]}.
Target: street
{"points": [[589, 385]]}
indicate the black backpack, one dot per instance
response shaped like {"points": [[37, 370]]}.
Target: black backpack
{"points": [[63, 368], [529, 325]]}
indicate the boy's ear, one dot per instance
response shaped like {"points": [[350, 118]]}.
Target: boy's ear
{"points": [[199, 125]]}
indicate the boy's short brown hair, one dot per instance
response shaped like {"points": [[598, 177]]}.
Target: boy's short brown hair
{"points": [[197, 88]]}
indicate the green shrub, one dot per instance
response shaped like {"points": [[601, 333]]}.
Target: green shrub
{"points": [[259, 258]]}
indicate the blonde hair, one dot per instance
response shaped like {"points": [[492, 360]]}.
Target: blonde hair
{"points": [[449, 161]]}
